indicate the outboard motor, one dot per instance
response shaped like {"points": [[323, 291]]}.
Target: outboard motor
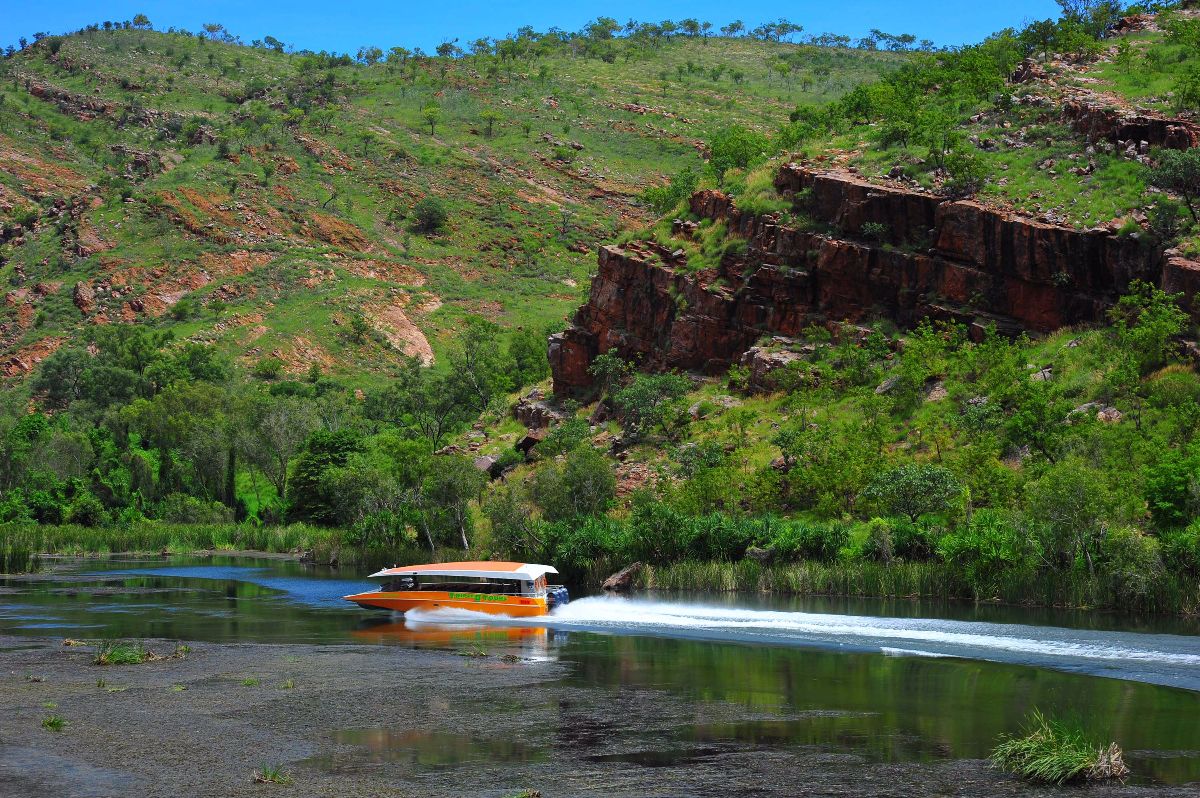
{"points": [[556, 596]]}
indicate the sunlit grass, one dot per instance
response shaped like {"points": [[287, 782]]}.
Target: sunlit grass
{"points": [[1055, 751]]}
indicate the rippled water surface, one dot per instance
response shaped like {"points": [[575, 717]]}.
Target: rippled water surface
{"points": [[896, 681]]}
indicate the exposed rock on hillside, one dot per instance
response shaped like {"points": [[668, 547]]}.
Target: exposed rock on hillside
{"points": [[953, 260]]}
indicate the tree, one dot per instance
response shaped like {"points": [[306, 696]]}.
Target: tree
{"points": [[312, 496], [649, 402], [1146, 321], [527, 349], [369, 55], [445, 498], [141, 22], [736, 147], [490, 118], [735, 28], [429, 215], [912, 490], [276, 430], [1075, 503], [479, 368], [583, 485], [432, 114]]}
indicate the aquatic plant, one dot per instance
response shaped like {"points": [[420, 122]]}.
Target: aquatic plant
{"points": [[1054, 751], [55, 723], [473, 650], [272, 774], [121, 652]]}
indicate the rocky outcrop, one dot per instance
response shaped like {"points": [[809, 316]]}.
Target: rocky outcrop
{"points": [[534, 412], [935, 258], [1099, 121], [623, 580]]}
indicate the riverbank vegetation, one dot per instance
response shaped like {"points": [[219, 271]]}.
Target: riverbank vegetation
{"points": [[1054, 751], [934, 462]]}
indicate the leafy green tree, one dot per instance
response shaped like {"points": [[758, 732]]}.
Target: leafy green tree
{"points": [[480, 369], [527, 349], [452, 484], [584, 485], [1178, 171], [312, 495], [429, 215], [1146, 321], [1075, 503], [1173, 488], [736, 147], [432, 114], [649, 403], [914, 490]]}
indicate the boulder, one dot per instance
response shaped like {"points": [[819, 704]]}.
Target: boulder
{"points": [[489, 465], [532, 439], [764, 364], [622, 581], [765, 556], [535, 413]]}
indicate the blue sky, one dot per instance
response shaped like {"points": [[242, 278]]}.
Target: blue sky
{"points": [[345, 25]]}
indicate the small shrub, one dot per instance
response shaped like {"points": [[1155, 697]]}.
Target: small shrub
{"points": [[54, 723], [429, 215]]}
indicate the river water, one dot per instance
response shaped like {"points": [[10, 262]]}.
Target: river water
{"points": [[892, 681]]}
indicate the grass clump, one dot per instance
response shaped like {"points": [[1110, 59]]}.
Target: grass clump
{"points": [[121, 652], [1058, 752], [272, 774], [250, 682], [474, 650], [54, 723]]}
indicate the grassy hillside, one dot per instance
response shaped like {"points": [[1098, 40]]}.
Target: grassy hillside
{"points": [[263, 201]]}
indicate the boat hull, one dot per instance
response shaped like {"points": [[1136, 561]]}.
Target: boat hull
{"points": [[490, 603]]}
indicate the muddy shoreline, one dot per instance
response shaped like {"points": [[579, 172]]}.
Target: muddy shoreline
{"points": [[391, 720]]}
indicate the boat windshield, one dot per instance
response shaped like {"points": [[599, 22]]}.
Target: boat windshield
{"points": [[462, 584]]}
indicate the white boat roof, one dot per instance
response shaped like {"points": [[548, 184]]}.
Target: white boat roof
{"points": [[485, 569]]}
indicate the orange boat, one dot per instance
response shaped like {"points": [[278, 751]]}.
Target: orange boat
{"points": [[498, 588]]}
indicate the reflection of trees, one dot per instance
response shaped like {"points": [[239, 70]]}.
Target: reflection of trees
{"points": [[890, 708]]}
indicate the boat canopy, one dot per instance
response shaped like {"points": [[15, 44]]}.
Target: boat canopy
{"points": [[483, 569]]}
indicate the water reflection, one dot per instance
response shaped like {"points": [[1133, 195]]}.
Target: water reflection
{"points": [[422, 750], [746, 695]]}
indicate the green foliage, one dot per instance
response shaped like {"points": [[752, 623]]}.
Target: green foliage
{"points": [[1178, 171], [736, 147], [913, 490], [1055, 751], [663, 199], [987, 548], [583, 485], [311, 496], [120, 652], [429, 215], [650, 402], [1145, 323]]}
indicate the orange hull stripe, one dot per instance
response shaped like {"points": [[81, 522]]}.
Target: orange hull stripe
{"points": [[518, 606]]}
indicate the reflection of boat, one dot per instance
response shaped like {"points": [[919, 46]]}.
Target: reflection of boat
{"points": [[497, 588], [436, 635]]}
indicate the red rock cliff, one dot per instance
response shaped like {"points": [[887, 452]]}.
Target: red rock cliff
{"points": [[945, 259]]}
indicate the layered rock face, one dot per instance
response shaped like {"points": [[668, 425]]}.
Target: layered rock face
{"points": [[927, 257], [1099, 121]]}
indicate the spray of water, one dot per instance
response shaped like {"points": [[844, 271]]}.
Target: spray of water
{"points": [[1170, 659]]}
